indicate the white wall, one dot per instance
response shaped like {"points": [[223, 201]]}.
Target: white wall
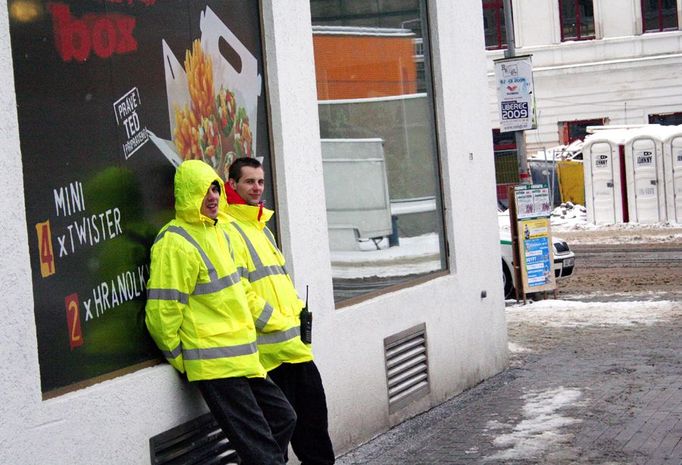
{"points": [[625, 76], [111, 422], [466, 334]]}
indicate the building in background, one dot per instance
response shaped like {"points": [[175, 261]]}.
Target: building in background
{"points": [[595, 62], [358, 110]]}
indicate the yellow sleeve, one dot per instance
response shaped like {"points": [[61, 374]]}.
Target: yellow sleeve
{"points": [[173, 275]]}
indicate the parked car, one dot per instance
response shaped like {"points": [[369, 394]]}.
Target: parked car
{"points": [[564, 258]]}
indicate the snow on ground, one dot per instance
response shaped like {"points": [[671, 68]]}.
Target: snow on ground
{"points": [[540, 428], [567, 314], [544, 413], [418, 255]]}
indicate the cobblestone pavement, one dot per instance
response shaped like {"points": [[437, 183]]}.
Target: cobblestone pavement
{"points": [[601, 392]]}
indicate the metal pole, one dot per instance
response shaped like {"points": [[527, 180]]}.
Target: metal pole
{"points": [[519, 137]]}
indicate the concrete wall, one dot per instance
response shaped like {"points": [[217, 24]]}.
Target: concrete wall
{"points": [[111, 422], [623, 75]]}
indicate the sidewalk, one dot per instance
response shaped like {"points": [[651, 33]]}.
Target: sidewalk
{"points": [[597, 383]]}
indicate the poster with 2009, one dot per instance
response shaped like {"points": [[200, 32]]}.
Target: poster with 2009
{"points": [[112, 95]]}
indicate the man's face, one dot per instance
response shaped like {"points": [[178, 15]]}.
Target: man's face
{"points": [[209, 206], [250, 184]]}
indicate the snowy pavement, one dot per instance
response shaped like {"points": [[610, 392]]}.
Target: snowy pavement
{"points": [[588, 383]]}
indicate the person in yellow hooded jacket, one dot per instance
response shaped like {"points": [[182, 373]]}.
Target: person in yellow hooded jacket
{"points": [[288, 360], [199, 316]]}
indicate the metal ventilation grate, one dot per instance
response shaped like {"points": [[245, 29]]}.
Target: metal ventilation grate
{"points": [[197, 442], [407, 367]]}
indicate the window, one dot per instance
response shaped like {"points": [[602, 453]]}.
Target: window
{"points": [[666, 119], [379, 150], [570, 131], [506, 163], [577, 19], [493, 24], [659, 15]]}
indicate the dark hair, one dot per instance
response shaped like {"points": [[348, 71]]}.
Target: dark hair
{"points": [[217, 184], [235, 171]]}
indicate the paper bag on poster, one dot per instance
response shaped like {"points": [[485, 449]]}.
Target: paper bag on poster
{"points": [[245, 83]]}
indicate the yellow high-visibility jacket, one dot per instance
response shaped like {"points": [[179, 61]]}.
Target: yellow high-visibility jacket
{"points": [[263, 267], [197, 309]]}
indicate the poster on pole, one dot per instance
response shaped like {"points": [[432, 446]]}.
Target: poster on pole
{"points": [[515, 93], [532, 201], [537, 257], [111, 96]]}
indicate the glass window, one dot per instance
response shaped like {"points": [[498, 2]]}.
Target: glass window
{"points": [[506, 163], [570, 131], [666, 119], [493, 24], [659, 15], [379, 150], [577, 19]]}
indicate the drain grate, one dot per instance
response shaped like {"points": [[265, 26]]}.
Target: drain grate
{"points": [[407, 367]]}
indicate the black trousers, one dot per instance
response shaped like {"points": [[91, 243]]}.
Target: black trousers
{"points": [[302, 384], [255, 416]]}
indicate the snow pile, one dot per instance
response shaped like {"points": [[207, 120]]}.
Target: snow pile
{"points": [[570, 314], [568, 214], [541, 426]]}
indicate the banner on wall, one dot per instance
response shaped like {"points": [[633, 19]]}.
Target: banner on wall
{"points": [[112, 95]]}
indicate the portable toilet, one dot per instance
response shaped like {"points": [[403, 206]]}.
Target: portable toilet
{"points": [[646, 197], [672, 166], [605, 187]]}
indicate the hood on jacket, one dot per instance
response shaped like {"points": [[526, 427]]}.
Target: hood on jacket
{"points": [[192, 180]]}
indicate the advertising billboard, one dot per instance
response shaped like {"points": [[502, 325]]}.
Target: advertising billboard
{"points": [[111, 96]]}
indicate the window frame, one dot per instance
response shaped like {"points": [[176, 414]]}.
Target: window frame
{"points": [[565, 127], [578, 23], [444, 246], [497, 6], [659, 10], [660, 118]]}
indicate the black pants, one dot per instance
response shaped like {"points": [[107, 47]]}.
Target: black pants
{"points": [[302, 384], [255, 416]]}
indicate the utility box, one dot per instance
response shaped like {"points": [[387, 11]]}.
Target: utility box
{"points": [[672, 166], [645, 176], [605, 188], [356, 190]]}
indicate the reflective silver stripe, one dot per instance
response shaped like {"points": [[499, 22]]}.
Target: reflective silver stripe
{"points": [[243, 272], [215, 286], [252, 250], [279, 336], [178, 230], [220, 352], [264, 316], [173, 354], [260, 270], [229, 243], [270, 236], [264, 271], [268, 233], [168, 294]]}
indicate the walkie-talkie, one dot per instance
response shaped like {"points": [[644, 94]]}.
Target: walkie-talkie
{"points": [[306, 322]]}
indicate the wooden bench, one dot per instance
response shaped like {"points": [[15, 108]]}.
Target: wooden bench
{"points": [[198, 442]]}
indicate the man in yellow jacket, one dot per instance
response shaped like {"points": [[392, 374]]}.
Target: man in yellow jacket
{"points": [[198, 314], [287, 359]]}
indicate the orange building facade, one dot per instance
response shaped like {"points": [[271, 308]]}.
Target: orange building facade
{"points": [[353, 63]]}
